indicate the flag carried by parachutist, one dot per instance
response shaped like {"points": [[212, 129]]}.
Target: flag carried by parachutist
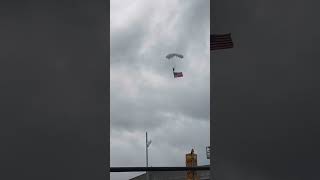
{"points": [[220, 41], [177, 74]]}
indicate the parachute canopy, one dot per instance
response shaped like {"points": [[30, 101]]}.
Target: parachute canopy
{"points": [[169, 56]]}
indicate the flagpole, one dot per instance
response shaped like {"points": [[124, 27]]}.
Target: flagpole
{"points": [[147, 177]]}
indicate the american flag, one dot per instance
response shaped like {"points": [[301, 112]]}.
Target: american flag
{"points": [[220, 41], [177, 74]]}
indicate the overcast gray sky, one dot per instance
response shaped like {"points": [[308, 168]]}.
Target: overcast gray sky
{"points": [[143, 94]]}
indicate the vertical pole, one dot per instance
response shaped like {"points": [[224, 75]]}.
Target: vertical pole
{"points": [[193, 164], [147, 176]]}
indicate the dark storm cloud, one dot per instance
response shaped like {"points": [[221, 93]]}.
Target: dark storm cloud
{"points": [[266, 90]]}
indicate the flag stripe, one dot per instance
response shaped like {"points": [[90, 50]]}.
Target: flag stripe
{"points": [[221, 40], [221, 46], [222, 43], [220, 35]]}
